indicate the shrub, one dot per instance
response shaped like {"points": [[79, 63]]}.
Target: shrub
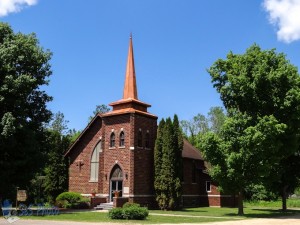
{"points": [[135, 213], [130, 211], [130, 204], [72, 200], [116, 213]]}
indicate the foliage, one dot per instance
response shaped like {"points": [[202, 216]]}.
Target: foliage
{"points": [[71, 200], [99, 109], [129, 212], [261, 92], [116, 214], [201, 124], [297, 191], [130, 204], [24, 70], [59, 124], [56, 169], [257, 192], [168, 164]]}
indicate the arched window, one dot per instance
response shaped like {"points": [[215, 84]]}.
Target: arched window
{"points": [[95, 162], [147, 140], [122, 139], [112, 140], [140, 138]]}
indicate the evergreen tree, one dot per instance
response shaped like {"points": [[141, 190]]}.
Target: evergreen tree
{"points": [[168, 164]]}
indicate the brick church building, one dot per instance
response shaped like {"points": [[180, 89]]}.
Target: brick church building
{"points": [[113, 158]]}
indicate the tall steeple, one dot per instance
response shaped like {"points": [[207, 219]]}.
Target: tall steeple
{"points": [[130, 88], [129, 103]]}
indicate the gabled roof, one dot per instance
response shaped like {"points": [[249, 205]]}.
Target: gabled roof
{"points": [[82, 133], [189, 151]]}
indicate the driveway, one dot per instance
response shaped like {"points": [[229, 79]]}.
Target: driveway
{"points": [[293, 220]]}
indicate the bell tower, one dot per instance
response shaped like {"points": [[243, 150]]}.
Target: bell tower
{"points": [[134, 131]]}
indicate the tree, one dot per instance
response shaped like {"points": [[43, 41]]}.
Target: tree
{"points": [[262, 85], [216, 118], [56, 168], [201, 124], [192, 128], [241, 154], [59, 124], [24, 69], [168, 164], [99, 109]]}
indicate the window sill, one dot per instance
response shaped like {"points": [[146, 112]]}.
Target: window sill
{"points": [[112, 148], [121, 146], [93, 181], [148, 148]]}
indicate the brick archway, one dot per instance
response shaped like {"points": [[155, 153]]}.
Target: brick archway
{"points": [[116, 182]]}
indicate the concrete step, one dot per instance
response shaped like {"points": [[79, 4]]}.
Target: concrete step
{"points": [[104, 206]]}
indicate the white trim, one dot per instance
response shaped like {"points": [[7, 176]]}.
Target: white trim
{"points": [[226, 196], [131, 148], [208, 191], [137, 196], [98, 195], [93, 181]]}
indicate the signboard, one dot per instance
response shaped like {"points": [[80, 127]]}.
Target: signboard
{"points": [[21, 195]]}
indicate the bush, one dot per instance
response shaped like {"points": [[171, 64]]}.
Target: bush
{"points": [[135, 213], [116, 214], [72, 200], [130, 211], [131, 204]]}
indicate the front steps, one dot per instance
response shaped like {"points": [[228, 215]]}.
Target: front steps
{"points": [[104, 206]]}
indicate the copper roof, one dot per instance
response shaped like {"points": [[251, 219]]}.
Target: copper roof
{"points": [[189, 151], [130, 88]]}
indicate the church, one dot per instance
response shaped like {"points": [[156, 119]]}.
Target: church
{"points": [[112, 161]]}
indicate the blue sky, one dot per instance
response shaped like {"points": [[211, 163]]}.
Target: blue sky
{"points": [[174, 43]]}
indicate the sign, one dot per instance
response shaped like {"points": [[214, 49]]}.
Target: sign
{"points": [[21, 195]]}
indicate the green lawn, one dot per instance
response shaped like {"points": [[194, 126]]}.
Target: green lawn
{"points": [[192, 215]]}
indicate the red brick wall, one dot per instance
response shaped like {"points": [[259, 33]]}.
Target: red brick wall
{"points": [[79, 174], [135, 162]]}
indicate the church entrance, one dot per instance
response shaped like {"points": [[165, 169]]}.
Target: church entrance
{"points": [[116, 183]]}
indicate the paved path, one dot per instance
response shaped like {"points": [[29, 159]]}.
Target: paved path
{"points": [[293, 220]]}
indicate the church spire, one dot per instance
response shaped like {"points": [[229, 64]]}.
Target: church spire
{"points": [[130, 89]]}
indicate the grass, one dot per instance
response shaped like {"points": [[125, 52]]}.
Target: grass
{"points": [[291, 203], [192, 215]]}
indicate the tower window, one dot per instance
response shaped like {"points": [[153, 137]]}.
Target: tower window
{"points": [[147, 140], [122, 139], [140, 138], [112, 140], [208, 186]]}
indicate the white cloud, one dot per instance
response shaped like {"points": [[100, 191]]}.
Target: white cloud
{"points": [[12, 6], [285, 16]]}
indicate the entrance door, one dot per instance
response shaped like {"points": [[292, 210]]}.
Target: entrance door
{"points": [[116, 186], [116, 183]]}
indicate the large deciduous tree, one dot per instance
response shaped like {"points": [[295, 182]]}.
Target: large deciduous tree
{"points": [[168, 164], [261, 91], [24, 69]]}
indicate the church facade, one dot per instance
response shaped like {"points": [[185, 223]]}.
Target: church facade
{"points": [[113, 158]]}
